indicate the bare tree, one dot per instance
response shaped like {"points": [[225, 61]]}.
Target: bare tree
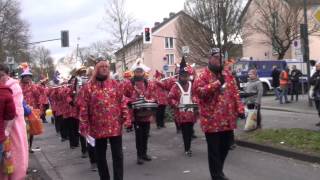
{"points": [[14, 32], [102, 49], [279, 21], [214, 23], [120, 24], [41, 61]]}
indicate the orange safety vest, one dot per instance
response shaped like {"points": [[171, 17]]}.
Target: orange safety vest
{"points": [[284, 78]]}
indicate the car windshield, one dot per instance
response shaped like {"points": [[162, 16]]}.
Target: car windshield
{"points": [[241, 66]]}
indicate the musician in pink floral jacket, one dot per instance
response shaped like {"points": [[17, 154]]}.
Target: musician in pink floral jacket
{"points": [[181, 94], [138, 87], [101, 117], [220, 106]]}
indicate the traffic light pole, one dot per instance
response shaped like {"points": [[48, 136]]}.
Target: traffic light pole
{"points": [[306, 55], [38, 42]]}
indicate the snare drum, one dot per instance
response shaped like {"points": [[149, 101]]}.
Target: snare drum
{"points": [[145, 109], [188, 107]]}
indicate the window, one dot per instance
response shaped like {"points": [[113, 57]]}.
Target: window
{"points": [[168, 41], [170, 74], [170, 59]]}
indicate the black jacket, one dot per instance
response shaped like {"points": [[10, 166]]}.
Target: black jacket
{"points": [[295, 75], [275, 78], [315, 81]]}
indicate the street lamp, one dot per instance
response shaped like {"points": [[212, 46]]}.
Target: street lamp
{"points": [[306, 55]]}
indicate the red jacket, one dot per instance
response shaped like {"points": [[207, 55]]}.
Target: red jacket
{"points": [[218, 109], [101, 109], [132, 92], [31, 94], [7, 109], [174, 100]]}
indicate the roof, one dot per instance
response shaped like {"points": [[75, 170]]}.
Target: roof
{"points": [[245, 10], [155, 28]]}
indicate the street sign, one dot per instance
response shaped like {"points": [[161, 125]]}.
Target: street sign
{"points": [[166, 67], [185, 50], [9, 60], [316, 15]]}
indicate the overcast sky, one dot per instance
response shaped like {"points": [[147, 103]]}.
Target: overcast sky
{"points": [[82, 18]]}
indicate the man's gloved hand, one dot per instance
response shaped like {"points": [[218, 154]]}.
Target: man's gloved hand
{"points": [[221, 79]]}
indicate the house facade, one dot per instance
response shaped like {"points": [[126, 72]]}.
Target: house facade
{"points": [[162, 52], [254, 45]]}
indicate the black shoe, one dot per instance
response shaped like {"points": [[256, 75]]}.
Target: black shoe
{"points": [[140, 161], [146, 158], [188, 153], [194, 136], [84, 155], [318, 124], [287, 102], [63, 139], [224, 177]]}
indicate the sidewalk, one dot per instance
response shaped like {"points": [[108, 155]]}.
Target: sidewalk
{"points": [[302, 106]]}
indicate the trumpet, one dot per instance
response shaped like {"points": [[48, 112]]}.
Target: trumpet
{"points": [[163, 79]]}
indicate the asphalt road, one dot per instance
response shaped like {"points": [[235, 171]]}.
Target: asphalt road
{"points": [[170, 163]]}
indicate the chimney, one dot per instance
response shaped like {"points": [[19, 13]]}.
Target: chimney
{"points": [[172, 14], [156, 24], [165, 19]]}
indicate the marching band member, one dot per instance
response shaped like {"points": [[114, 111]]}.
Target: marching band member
{"points": [[181, 94], [134, 89], [220, 106], [161, 96], [129, 116], [101, 112], [31, 94]]}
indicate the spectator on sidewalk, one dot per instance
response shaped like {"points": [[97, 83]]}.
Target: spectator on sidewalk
{"points": [[7, 110], [315, 81], [254, 86], [295, 82], [276, 81], [284, 83], [17, 132]]}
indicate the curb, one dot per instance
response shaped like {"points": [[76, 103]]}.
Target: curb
{"points": [[49, 170], [279, 151], [287, 110]]}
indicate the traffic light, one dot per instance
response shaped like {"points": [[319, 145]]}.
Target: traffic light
{"points": [[64, 38], [147, 36]]}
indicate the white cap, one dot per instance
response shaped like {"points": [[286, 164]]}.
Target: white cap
{"points": [[139, 65]]}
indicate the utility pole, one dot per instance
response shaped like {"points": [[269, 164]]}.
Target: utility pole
{"points": [[306, 55]]}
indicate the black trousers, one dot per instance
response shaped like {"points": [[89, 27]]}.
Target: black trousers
{"points": [[295, 90], [218, 147], [64, 129], [252, 106], [142, 134], [117, 157], [187, 132], [73, 131], [57, 123], [160, 115], [43, 114], [86, 147], [317, 102]]}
